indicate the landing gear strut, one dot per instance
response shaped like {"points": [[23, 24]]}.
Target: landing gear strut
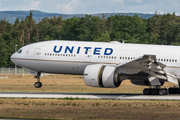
{"points": [[38, 84]]}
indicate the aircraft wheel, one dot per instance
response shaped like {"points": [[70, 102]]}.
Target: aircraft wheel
{"points": [[162, 92], [166, 91], [172, 90], [38, 84], [154, 92], [147, 91], [178, 91]]}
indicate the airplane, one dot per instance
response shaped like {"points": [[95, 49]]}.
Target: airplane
{"points": [[105, 64]]}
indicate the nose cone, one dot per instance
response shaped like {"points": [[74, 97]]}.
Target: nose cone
{"points": [[13, 57], [16, 59]]}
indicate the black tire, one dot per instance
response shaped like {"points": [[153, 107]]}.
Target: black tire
{"points": [[147, 91], [166, 91], [161, 91], [177, 91], [172, 90], [154, 92], [38, 84]]}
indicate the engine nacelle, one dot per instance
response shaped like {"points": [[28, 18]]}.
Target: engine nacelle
{"points": [[101, 76]]}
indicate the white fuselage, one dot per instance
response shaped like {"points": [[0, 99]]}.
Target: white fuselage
{"points": [[71, 57]]}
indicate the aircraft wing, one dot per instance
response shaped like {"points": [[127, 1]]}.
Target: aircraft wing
{"points": [[147, 64]]}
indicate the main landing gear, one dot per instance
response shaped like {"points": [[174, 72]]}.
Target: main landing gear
{"points": [[38, 84], [155, 91], [161, 91], [173, 90]]}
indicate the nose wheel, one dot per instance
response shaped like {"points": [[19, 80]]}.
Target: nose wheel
{"points": [[38, 84]]}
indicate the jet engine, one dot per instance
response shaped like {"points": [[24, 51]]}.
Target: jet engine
{"points": [[109, 77], [102, 76]]}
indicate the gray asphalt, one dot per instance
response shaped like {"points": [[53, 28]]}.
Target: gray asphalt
{"points": [[56, 95]]}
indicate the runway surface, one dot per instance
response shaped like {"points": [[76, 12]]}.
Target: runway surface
{"points": [[124, 96]]}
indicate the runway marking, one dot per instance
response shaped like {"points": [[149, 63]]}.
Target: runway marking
{"points": [[122, 96]]}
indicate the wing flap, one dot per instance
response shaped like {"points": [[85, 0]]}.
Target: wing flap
{"points": [[149, 65], [171, 78], [146, 62]]}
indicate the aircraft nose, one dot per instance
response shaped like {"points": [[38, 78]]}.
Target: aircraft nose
{"points": [[14, 58]]}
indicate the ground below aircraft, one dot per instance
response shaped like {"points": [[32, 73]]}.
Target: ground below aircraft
{"points": [[105, 64]]}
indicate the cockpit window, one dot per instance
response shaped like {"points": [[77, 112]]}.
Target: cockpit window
{"points": [[19, 51]]}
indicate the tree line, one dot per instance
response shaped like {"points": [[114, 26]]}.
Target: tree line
{"points": [[159, 29]]}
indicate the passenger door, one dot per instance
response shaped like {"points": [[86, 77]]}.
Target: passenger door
{"points": [[37, 53]]}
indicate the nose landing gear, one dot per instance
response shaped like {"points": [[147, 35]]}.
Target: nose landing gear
{"points": [[38, 84]]}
